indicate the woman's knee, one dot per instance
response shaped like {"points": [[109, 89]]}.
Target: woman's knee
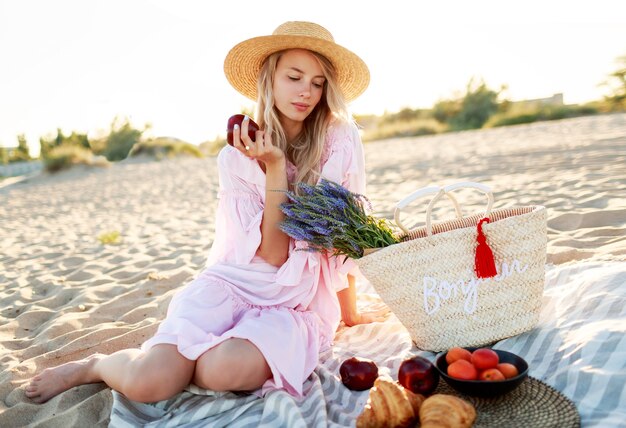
{"points": [[158, 376], [234, 365]]}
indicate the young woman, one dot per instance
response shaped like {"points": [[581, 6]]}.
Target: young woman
{"points": [[259, 314]]}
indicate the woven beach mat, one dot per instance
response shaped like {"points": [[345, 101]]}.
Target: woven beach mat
{"points": [[432, 283], [532, 404]]}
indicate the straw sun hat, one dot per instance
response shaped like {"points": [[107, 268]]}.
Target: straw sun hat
{"points": [[244, 61]]}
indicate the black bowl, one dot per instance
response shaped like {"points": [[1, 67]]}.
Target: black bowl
{"points": [[483, 388]]}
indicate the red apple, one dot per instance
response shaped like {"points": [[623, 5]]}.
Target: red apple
{"points": [[358, 374], [418, 375], [237, 119]]}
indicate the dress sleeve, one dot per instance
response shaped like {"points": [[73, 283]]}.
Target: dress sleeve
{"points": [[345, 166], [240, 209], [346, 162], [354, 179]]}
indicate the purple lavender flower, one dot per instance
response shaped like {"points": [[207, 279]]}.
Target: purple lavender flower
{"points": [[296, 232], [306, 188], [331, 218]]}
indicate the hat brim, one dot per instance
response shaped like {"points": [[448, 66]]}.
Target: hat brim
{"points": [[244, 61]]}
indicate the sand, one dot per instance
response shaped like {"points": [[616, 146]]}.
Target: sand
{"points": [[65, 295]]}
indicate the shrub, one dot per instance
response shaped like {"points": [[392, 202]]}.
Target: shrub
{"points": [[445, 110], [478, 105], [22, 153], [470, 111], [405, 115], [212, 148], [616, 82], [517, 116], [165, 147], [68, 155], [47, 144], [413, 128], [120, 141], [4, 156]]}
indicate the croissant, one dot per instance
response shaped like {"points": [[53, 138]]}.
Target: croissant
{"points": [[390, 405], [446, 411]]}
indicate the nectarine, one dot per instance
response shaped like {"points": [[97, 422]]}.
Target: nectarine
{"points": [[458, 354], [485, 358], [491, 375], [508, 370], [462, 369]]}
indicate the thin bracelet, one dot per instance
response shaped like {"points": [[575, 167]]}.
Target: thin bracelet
{"points": [[277, 190]]}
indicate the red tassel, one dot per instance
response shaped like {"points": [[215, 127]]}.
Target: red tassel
{"points": [[485, 264]]}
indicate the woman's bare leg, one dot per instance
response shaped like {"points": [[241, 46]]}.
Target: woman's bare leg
{"points": [[233, 365], [155, 375]]}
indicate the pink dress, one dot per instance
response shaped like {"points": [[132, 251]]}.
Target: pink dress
{"points": [[290, 313]]}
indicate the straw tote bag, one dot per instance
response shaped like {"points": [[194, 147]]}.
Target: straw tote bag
{"points": [[467, 281]]}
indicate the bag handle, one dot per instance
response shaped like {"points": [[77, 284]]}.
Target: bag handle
{"points": [[452, 187], [425, 191], [439, 192]]}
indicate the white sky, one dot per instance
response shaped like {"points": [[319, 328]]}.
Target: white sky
{"points": [[76, 64]]}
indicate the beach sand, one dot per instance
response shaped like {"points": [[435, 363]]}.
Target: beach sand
{"points": [[64, 295]]}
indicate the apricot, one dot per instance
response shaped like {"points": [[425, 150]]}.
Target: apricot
{"points": [[491, 375], [508, 370], [485, 358], [458, 354], [462, 369]]}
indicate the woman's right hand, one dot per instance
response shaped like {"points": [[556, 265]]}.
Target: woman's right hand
{"points": [[261, 149]]}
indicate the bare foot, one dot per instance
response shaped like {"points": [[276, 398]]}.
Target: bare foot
{"points": [[55, 380]]}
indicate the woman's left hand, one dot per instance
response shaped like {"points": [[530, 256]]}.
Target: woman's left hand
{"points": [[262, 149]]}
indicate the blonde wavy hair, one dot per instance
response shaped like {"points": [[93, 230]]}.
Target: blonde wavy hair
{"points": [[306, 151]]}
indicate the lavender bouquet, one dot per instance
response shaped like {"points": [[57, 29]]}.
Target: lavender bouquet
{"points": [[331, 218]]}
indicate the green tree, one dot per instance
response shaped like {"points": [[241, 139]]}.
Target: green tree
{"points": [[19, 153], [44, 147], [445, 110], [77, 140], [22, 152], [47, 144], [59, 138], [121, 139], [470, 111], [616, 81], [477, 106]]}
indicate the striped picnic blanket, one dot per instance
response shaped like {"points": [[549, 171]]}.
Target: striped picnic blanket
{"points": [[579, 348]]}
